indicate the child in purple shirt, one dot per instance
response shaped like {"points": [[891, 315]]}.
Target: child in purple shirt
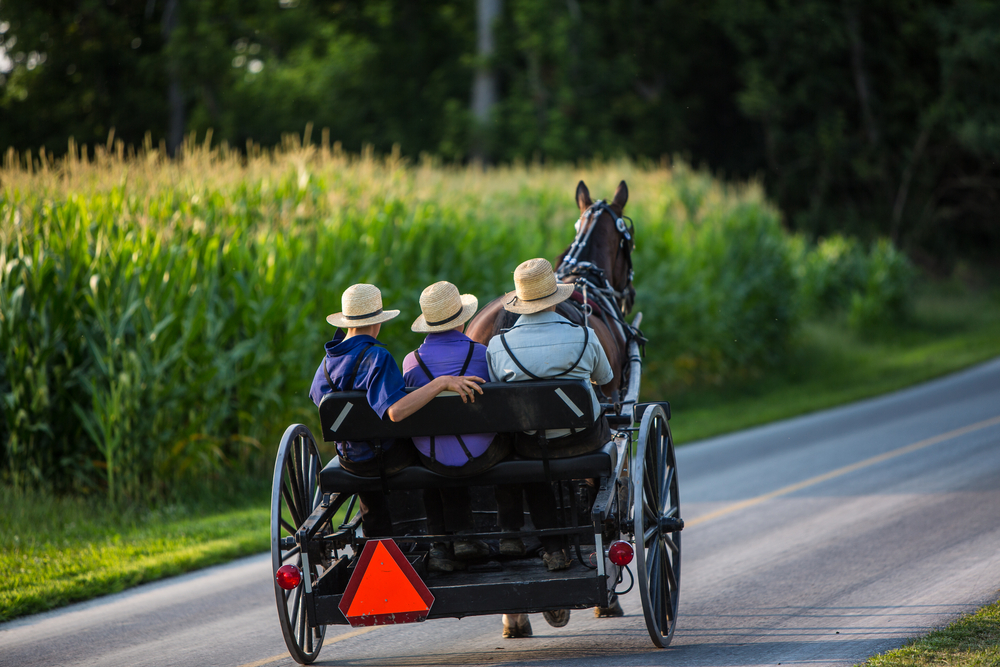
{"points": [[448, 351], [358, 362]]}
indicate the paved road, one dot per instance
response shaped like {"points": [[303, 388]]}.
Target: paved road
{"points": [[820, 540]]}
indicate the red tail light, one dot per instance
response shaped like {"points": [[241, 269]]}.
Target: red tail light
{"points": [[290, 577], [620, 553]]}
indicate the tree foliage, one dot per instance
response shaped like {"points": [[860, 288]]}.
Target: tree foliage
{"points": [[867, 118]]}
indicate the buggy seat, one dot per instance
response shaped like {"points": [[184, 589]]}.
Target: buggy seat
{"points": [[503, 407]]}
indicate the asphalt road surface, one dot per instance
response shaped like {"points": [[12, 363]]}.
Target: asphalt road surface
{"points": [[821, 540]]}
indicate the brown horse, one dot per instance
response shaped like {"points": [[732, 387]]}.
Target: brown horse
{"points": [[599, 261]]}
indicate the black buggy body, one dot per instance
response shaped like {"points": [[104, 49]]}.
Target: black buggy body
{"points": [[625, 492]]}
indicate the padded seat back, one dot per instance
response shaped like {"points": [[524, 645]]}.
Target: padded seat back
{"points": [[502, 408]]}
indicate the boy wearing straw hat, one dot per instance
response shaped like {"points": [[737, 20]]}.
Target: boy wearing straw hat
{"points": [[544, 345], [448, 351], [357, 361]]}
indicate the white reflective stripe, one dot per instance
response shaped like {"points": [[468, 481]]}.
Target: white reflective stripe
{"points": [[305, 572], [572, 406], [343, 415], [599, 548]]}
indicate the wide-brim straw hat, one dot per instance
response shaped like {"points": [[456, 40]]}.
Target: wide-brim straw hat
{"points": [[362, 306], [443, 308], [535, 288]]}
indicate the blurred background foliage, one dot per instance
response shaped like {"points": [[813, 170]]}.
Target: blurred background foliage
{"points": [[868, 119]]}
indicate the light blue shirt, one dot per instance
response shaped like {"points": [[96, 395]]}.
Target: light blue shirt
{"points": [[547, 344]]}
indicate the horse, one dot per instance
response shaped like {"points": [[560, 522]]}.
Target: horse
{"points": [[599, 261]]}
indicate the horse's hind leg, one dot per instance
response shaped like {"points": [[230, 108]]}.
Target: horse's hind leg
{"points": [[516, 626]]}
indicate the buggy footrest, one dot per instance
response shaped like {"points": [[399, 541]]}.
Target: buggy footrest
{"points": [[334, 479]]}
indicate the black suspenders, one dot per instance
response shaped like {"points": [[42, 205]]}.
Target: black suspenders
{"points": [[354, 371], [510, 353], [430, 376], [583, 350]]}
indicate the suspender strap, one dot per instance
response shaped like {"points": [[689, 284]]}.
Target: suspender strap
{"points": [[354, 371], [510, 353], [468, 357], [430, 376], [423, 366]]}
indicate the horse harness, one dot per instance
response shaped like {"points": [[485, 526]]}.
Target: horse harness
{"points": [[431, 376], [591, 280]]}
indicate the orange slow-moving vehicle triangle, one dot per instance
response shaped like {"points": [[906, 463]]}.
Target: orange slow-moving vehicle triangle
{"points": [[385, 588]]}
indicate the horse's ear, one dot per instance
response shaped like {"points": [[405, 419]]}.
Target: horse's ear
{"points": [[621, 196], [583, 196]]}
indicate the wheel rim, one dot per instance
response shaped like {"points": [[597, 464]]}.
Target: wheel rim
{"points": [[294, 494], [658, 550]]}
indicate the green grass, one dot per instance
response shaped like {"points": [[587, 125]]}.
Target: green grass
{"points": [[54, 551], [952, 328], [973, 641]]}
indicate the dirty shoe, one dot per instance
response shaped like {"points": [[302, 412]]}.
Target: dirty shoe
{"points": [[470, 549], [555, 560], [439, 558], [512, 546], [516, 626]]}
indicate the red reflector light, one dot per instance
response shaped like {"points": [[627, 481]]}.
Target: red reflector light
{"points": [[288, 577], [620, 553]]}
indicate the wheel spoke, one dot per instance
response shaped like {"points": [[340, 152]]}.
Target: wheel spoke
{"points": [[665, 485], [658, 453], [286, 493], [670, 544], [291, 553], [287, 526]]}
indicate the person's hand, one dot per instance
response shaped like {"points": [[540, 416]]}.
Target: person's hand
{"points": [[465, 386]]}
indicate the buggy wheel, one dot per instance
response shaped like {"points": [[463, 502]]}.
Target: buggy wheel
{"points": [[657, 525], [294, 494]]}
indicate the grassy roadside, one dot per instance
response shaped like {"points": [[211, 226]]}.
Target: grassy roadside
{"points": [[969, 642], [57, 551], [952, 328]]}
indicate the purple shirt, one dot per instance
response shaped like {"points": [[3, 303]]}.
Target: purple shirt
{"points": [[444, 354], [377, 376]]}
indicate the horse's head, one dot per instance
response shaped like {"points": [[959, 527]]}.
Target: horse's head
{"points": [[604, 239]]}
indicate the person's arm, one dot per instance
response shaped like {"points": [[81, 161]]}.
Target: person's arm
{"points": [[602, 373], [465, 386]]}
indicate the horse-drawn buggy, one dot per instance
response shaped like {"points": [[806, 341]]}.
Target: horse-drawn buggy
{"points": [[619, 505]]}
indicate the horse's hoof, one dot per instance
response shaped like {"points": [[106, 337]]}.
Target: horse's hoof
{"points": [[614, 611], [518, 628], [557, 618]]}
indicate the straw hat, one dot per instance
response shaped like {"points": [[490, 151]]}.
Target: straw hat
{"points": [[362, 306], [443, 308], [535, 288]]}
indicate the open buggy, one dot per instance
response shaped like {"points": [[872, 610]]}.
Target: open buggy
{"points": [[327, 573]]}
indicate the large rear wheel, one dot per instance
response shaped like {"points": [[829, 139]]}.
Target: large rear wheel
{"points": [[294, 495], [657, 524]]}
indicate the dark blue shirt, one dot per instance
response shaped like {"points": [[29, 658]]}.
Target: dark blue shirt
{"points": [[377, 376]]}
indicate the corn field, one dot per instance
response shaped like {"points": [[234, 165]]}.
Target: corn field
{"points": [[160, 320]]}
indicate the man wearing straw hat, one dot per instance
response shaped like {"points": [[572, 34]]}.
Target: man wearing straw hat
{"points": [[544, 345], [448, 351], [357, 361]]}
